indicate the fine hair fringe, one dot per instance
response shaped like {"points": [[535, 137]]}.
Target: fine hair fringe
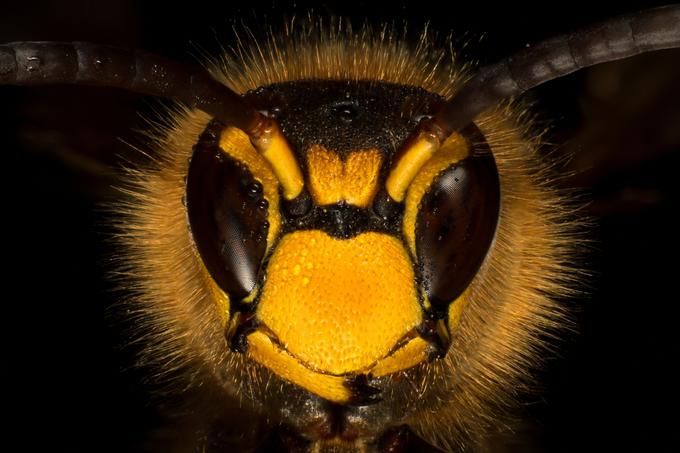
{"points": [[513, 314]]}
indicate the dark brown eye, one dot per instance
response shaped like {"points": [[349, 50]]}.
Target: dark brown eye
{"points": [[456, 224], [228, 217]]}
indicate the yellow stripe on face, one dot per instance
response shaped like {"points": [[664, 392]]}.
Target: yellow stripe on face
{"points": [[354, 181], [334, 388], [413, 353], [339, 305], [262, 350]]}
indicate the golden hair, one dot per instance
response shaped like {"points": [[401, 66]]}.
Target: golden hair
{"points": [[512, 308]]}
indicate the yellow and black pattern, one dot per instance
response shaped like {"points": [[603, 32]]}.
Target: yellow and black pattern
{"points": [[342, 292], [336, 307]]}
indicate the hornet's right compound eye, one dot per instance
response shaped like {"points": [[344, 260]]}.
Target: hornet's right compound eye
{"points": [[228, 215], [451, 209], [456, 223]]}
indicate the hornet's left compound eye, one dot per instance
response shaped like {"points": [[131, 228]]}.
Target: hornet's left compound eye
{"points": [[228, 211]]}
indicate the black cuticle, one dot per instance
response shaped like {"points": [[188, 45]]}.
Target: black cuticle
{"points": [[435, 313], [369, 115], [299, 205], [274, 111], [386, 207], [428, 332], [247, 324], [239, 344], [363, 393], [345, 112]]}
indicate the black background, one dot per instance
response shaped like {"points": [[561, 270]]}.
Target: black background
{"points": [[65, 389]]}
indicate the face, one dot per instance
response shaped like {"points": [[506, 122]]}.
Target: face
{"points": [[627, 197]]}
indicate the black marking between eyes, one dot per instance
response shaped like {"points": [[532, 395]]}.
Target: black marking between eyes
{"points": [[345, 116], [341, 221]]}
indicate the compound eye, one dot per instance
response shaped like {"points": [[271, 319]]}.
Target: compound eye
{"points": [[455, 225], [228, 218]]}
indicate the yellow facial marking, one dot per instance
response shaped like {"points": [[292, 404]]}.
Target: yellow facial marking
{"points": [[456, 309], [326, 178], [361, 177], [414, 352], [262, 350], [235, 143], [339, 306], [354, 181], [453, 150]]}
